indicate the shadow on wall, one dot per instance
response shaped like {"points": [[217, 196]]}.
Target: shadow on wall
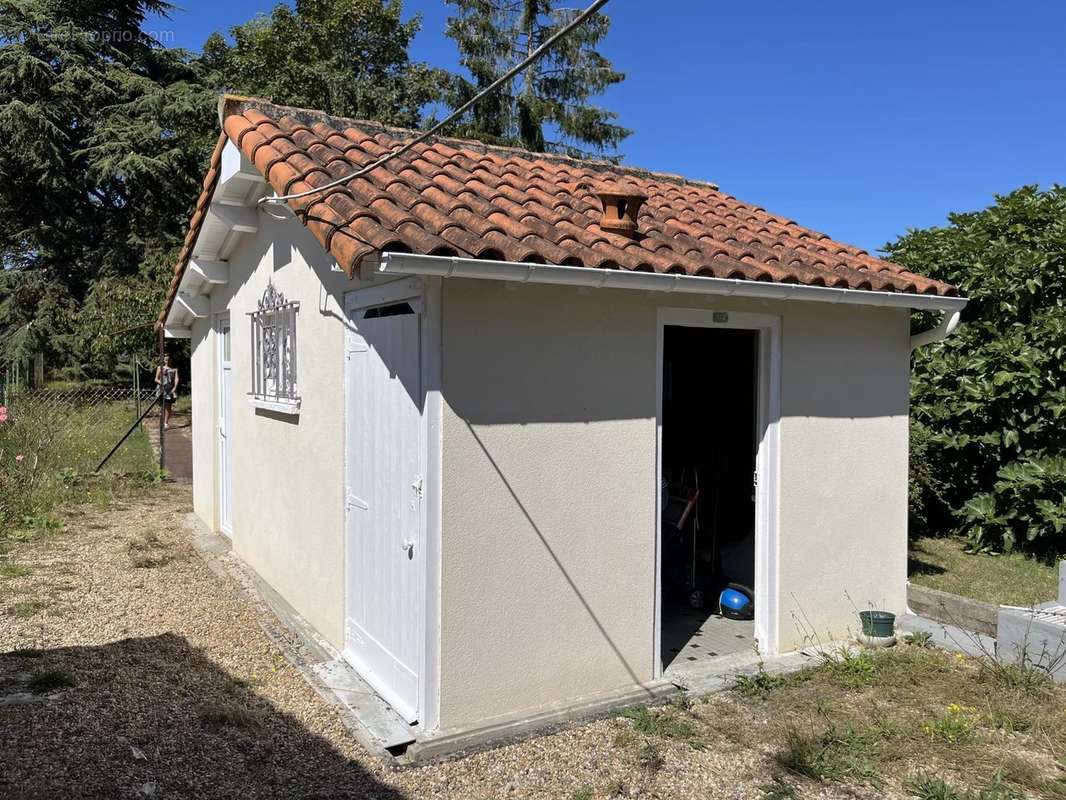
{"points": [[152, 717], [634, 678]]}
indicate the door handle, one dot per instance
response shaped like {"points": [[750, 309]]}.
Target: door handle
{"points": [[407, 546]]}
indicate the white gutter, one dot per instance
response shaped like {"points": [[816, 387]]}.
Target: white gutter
{"points": [[949, 321], [454, 267]]}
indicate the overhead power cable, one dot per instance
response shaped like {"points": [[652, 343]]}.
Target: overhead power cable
{"points": [[507, 76]]}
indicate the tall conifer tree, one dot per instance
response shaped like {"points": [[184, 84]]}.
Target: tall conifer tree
{"points": [[548, 107]]}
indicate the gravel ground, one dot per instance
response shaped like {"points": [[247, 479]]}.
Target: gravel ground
{"points": [[179, 693]]}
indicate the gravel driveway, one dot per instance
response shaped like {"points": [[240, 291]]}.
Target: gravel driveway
{"points": [[178, 693]]}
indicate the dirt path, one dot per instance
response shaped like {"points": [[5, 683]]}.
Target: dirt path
{"points": [[178, 693], [178, 439]]}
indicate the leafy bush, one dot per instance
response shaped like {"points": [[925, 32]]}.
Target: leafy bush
{"points": [[1027, 504], [988, 404]]}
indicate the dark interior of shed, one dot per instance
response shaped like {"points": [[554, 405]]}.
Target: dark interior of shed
{"points": [[708, 464]]}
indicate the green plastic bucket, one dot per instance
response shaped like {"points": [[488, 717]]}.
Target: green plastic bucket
{"points": [[877, 623]]}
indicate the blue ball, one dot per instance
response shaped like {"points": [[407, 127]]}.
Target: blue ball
{"points": [[731, 598]]}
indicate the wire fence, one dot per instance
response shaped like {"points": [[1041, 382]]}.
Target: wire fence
{"points": [[52, 439]]}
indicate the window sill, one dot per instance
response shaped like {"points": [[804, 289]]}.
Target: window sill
{"points": [[277, 406]]}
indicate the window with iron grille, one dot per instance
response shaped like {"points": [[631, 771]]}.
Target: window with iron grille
{"points": [[274, 348]]}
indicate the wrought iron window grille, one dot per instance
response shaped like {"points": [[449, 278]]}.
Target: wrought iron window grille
{"points": [[274, 368]]}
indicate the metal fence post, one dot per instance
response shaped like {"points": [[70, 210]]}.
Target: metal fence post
{"points": [[137, 386]]}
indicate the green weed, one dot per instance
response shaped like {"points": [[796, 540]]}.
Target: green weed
{"points": [[759, 685], [28, 608], [919, 639], [11, 570], [665, 723], [850, 668], [956, 724], [834, 754]]}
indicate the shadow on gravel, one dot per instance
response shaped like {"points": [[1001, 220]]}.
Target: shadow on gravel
{"points": [[152, 717]]}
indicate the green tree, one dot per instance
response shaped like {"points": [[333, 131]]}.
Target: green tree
{"points": [[103, 138], [547, 107], [344, 57], [989, 403]]}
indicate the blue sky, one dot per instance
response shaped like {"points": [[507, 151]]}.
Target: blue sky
{"points": [[856, 119]]}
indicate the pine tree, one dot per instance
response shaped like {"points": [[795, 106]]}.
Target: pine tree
{"points": [[103, 137], [547, 107]]}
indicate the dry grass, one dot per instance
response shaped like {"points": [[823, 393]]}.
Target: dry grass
{"points": [[917, 710], [1009, 578]]}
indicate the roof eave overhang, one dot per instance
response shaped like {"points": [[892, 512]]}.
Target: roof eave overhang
{"points": [[455, 267], [231, 215]]}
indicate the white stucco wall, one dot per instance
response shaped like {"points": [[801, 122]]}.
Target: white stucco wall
{"points": [[287, 471], [548, 528], [548, 540]]}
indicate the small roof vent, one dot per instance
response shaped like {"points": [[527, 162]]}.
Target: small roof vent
{"points": [[621, 204]]}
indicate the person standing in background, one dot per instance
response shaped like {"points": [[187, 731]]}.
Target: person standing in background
{"points": [[166, 378]]}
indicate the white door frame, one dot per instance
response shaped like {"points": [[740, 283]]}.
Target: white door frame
{"points": [[427, 293], [225, 404], [767, 599]]}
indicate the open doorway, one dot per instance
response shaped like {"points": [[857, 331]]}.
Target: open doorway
{"points": [[710, 386]]}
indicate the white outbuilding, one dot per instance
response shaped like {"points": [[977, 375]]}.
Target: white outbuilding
{"points": [[504, 426]]}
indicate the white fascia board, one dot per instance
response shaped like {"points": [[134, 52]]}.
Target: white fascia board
{"points": [[194, 306], [236, 218], [174, 332], [212, 272], [448, 266]]}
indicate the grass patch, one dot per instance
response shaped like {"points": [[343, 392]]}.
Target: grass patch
{"points": [[881, 717], [760, 684], [666, 723], [12, 570], [955, 725], [49, 680], [1009, 578], [219, 716], [833, 754], [49, 447], [850, 668], [927, 787], [28, 608]]}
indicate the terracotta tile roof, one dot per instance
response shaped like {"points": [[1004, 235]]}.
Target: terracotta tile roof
{"points": [[454, 197], [197, 222]]}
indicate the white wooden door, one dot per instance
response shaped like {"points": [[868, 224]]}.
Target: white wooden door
{"points": [[224, 398], [385, 539]]}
